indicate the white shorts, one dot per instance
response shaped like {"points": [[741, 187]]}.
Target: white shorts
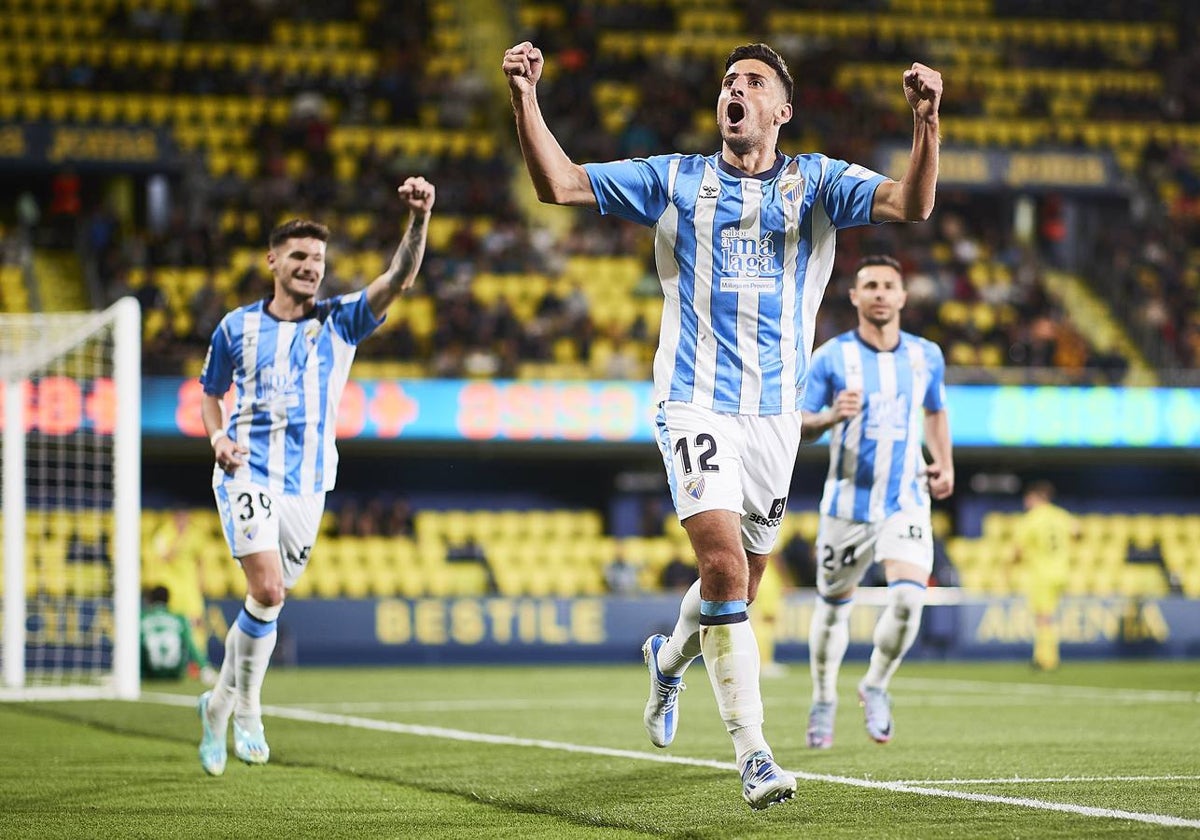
{"points": [[737, 462], [846, 549], [254, 519]]}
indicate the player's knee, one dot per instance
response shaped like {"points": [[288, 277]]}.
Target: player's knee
{"points": [[263, 612], [906, 599], [268, 596]]}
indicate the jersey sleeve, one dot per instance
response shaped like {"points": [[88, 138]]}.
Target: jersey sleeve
{"points": [[935, 393], [217, 374], [632, 189], [848, 191], [352, 318], [818, 390]]}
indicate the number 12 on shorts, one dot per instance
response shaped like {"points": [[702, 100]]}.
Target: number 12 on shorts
{"points": [[706, 449]]}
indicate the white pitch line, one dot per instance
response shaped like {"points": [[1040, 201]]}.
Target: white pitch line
{"points": [[1042, 690], [1025, 780], [443, 733]]}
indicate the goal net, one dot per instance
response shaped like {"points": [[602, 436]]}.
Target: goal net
{"points": [[71, 456]]}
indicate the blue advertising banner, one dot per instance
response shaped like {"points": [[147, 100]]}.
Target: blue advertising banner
{"points": [[622, 412], [474, 630]]}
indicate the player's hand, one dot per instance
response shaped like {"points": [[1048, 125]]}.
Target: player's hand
{"points": [[418, 194], [229, 454], [523, 65], [923, 90], [941, 481], [846, 404]]}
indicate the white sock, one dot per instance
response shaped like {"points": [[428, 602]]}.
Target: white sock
{"points": [[895, 631], [220, 701], [256, 631], [683, 646], [731, 656], [828, 638]]}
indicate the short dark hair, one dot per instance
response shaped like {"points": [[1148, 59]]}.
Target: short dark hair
{"points": [[159, 595], [298, 229], [1041, 488], [768, 56], [877, 259]]}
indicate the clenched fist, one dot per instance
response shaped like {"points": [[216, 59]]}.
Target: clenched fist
{"points": [[523, 65], [923, 90]]}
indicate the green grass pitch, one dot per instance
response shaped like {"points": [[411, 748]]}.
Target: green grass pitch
{"points": [[990, 750]]}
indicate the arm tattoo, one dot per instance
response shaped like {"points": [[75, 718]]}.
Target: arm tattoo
{"points": [[407, 256]]}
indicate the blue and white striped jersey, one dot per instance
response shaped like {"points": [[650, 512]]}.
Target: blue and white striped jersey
{"points": [[875, 457], [743, 261], [289, 377]]}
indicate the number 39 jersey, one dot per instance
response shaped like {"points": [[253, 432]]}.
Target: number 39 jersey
{"points": [[289, 377], [875, 464], [743, 261]]}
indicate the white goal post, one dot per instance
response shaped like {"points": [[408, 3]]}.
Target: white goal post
{"points": [[71, 495]]}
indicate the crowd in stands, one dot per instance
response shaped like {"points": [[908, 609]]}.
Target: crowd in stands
{"points": [[975, 286]]}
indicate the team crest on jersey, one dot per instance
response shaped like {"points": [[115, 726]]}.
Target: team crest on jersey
{"points": [[791, 184], [694, 487], [311, 330]]}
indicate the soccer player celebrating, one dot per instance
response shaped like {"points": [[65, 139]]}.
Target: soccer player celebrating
{"points": [[744, 241], [881, 386], [288, 357]]}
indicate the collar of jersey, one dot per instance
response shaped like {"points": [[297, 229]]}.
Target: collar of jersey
{"points": [[730, 169], [312, 313], [873, 348]]}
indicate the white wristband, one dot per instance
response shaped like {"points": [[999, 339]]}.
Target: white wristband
{"points": [[216, 436]]}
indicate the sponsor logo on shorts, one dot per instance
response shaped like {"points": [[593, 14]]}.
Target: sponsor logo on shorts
{"points": [[694, 487], [774, 516]]}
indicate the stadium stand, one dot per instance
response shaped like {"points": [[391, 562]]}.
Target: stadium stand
{"points": [[257, 118]]}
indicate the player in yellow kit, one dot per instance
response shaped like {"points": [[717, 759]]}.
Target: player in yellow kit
{"points": [[1043, 536]]}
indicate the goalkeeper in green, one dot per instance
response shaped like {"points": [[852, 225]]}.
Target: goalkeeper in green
{"points": [[167, 644]]}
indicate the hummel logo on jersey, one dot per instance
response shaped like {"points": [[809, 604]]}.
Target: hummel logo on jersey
{"points": [[709, 191]]}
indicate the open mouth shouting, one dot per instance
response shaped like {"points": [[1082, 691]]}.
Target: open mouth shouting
{"points": [[735, 113]]}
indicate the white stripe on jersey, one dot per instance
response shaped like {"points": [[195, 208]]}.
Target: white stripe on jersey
{"points": [[668, 269], [702, 290], [285, 332], [747, 312], [251, 327], [789, 351], [819, 267], [850, 439], [311, 386], [885, 444], [919, 367], [339, 372]]}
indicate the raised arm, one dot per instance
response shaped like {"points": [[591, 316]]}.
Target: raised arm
{"points": [[911, 198], [555, 178], [400, 274], [937, 437]]}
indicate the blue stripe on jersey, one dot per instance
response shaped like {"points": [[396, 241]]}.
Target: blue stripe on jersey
{"points": [[663, 438], [896, 418], [864, 478], [683, 383], [723, 307]]}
